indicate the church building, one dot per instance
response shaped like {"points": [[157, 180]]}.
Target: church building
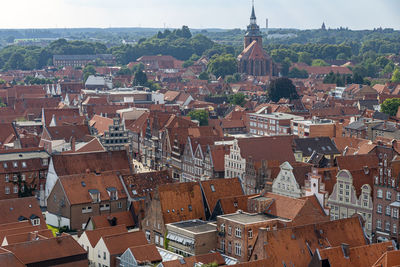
{"points": [[254, 60]]}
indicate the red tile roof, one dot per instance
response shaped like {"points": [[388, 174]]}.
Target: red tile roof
{"points": [[123, 218], [94, 235]]}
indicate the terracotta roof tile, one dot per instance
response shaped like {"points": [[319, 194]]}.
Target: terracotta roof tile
{"points": [[123, 218], [77, 186], [146, 254], [95, 235], [11, 210], [47, 249], [97, 161], [118, 243], [218, 188], [190, 261], [100, 123], [181, 201]]}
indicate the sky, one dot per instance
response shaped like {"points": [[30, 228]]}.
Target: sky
{"points": [[227, 14]]}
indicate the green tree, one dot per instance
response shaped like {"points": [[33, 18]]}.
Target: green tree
{"points": [[396, 76], [282, 88], [140, 78], [222, 65], [237, 99], [204, 76], [200, 115], [319, 62], [124, 71], [296, 73], [286, 66], [87, 71], [390, 106], [305, 57]]}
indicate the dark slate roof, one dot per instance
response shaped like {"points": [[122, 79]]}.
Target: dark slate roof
{"points": [[387, 127], [357, 125], [369, 103], [321, 145], [380, 116]]}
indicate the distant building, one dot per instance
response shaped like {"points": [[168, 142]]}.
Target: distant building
{"points": [[117, 137], [254, 60], [276, 123], [81, 60]]}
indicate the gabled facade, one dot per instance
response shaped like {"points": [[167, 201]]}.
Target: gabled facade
{"points": [[344, 201], [285, 183]]}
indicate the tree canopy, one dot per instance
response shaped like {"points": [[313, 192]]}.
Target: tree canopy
{"points": [[390, 106], [200, 115], [282, 88], [222, 65]]}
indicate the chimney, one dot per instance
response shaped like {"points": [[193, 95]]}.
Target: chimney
{"points": [[346, 250], [73, 144]]}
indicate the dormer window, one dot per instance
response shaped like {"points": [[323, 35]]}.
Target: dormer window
{"points": [[112, 192], [95, 195]]}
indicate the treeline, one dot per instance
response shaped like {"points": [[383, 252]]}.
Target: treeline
{"points": [[33, 57]]}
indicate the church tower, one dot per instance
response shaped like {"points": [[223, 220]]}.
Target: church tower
{"points": [[253, 32]]}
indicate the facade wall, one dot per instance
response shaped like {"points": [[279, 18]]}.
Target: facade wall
{"points": [[153, 224], [235, 165], [285, 183]]}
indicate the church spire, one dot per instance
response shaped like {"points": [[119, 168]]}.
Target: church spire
{"points": [[253, 19]]}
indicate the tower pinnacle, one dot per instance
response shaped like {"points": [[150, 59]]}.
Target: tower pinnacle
{"points": [[253, 15]]}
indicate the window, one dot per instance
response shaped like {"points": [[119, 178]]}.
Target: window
{"points": [[379, 224], [229, 247], [120, 205], [212, 188], [45, 162], [15, 189], [238, 232], [104, 256], [23, 177], [387, 226], [222, 227], [5, 165], [35, 222], [388, 195], [148, 235], [388, 210], [190, 207], [7, 190], [223, 245], [15, 164], [23, 164], [398, 196], [379, 208], [394, 229], [238, 249], [7, 178], [250, 233], [380, 194], [229, 230]]}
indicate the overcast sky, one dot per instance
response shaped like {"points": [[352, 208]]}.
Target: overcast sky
{"points": [[302, 14]]}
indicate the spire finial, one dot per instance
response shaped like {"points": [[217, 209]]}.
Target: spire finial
{"points": [[253, 14]]}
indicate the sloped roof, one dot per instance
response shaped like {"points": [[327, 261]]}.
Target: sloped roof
{"points": [[267, 148], [253, 51], [294, 245], [358, 256], [118, 243], [12, 209], [322, 145], [181, 201], [46, 249], [357, 162], [77, 186], [190, 261], [388, 259], [28, 236], [95, 235], [140, 184], [123, 218], [100, 123], [7, 258], [146, 253], [97, 161], [66, 132], [218, 188]]}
